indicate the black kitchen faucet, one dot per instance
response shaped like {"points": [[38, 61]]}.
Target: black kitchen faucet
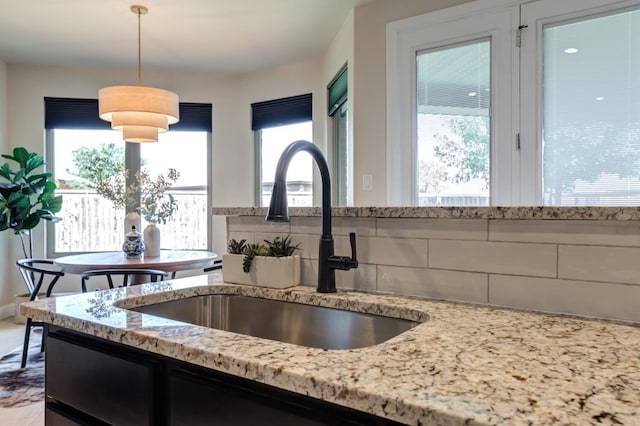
{"points": [[279, 212]]}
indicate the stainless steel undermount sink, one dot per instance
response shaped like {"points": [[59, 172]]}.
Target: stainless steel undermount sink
{"points": [[289, 322]]}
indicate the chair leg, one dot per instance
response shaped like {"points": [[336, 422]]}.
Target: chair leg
{"points": [[25, 346]]}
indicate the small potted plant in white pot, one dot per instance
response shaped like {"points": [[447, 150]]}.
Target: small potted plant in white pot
{"points": [[269, 264]]}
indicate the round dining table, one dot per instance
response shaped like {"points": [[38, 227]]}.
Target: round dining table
{"points": [[168, 261]]}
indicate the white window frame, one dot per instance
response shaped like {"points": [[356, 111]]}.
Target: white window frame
{"points": [[541, 13], [456, 25], [516, 98]]}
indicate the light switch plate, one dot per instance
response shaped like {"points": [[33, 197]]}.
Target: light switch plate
{"points": [[367, 182]]}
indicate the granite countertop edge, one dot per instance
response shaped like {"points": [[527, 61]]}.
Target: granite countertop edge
{"points": [[465, 364], [624, 213]]}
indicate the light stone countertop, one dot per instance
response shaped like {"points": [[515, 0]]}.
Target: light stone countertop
{"points": [[464, 364], [522, 212]]}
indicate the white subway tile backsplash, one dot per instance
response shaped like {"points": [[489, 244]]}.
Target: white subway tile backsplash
{"points": [[309, 272], [365, 226], [339, 225], [602, 300], [306, 225], [585, 232], [611, 264], [308, 245], [454, 229], [389, 251], [363, 278], [241, 235], [256, 224], [500, 258], [433, 283], [582, 267]]}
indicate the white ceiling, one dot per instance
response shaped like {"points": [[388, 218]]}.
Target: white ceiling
{"points": [[212, 36]]}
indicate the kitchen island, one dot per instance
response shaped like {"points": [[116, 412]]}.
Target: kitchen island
{"points": [[464, 364]]}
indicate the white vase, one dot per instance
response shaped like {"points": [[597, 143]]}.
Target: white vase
{"points": [[151, 239], [132, 219]]}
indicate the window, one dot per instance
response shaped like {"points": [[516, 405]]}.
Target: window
{"points": [[560, 124], [450, 84], [453, 92], [342, 176], [343, 159], [81, 150], [277, 124], [590, 139]]}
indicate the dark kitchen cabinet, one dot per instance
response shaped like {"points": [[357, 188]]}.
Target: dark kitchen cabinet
{"points": [[94, 381], [105, 382]]}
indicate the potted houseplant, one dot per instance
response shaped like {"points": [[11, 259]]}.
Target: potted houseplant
{"points": [[269, 264], [150, 197], [26, 196]]}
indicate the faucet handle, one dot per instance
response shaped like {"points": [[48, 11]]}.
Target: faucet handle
{"points": [[344, 263], [352, 240]]}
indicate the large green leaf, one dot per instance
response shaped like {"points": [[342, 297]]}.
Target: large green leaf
{"points": [[21, 155], [4, 221], [5, 171], [4, 215], [34, 161], [27, 196], [51, 202], [32, 220]]}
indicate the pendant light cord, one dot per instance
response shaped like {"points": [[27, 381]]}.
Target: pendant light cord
{"points": [[139, 51]]}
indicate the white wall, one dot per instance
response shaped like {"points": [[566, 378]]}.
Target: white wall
{"points": [[6, 289], [232, 152], [360, 42], [339, 53], [28, 85], [368, 101]]}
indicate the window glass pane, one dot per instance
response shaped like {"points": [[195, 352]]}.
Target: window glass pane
{"points": [[92, 223], [187, 153], [82, 158], [452, 126], [300, 172], [342, 176], [591, 112]]}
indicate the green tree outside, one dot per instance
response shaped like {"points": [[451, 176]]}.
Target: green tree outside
{"points": [[95, 164], [465, 150]]}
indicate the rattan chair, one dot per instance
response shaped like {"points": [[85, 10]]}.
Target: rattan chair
{"points": [[153, 274], [37, 274]]}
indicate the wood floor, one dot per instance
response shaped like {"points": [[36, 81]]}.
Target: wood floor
{"points": [[11, 335]]}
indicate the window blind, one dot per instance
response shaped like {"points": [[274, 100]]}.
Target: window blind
{"points": [[68, 113], [337, 91], [74, 113], [279, 112], [455, 79]]}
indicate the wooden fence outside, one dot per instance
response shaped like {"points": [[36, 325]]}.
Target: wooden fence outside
{"points": [[91, 223]]}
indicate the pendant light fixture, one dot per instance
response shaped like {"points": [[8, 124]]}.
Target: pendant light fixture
{"points": [[139, 111]]}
